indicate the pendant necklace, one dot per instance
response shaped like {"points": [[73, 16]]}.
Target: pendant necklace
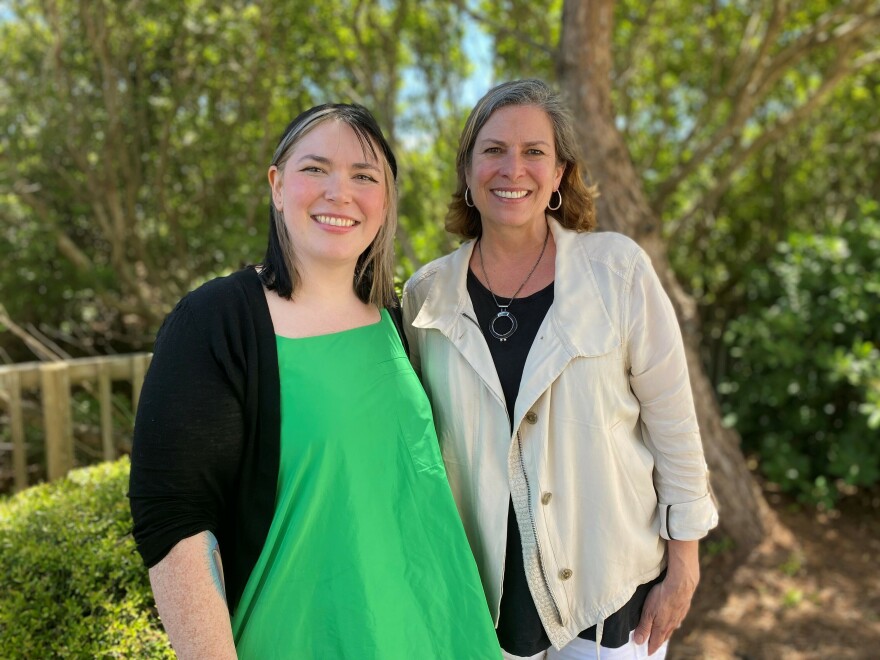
{"points": [[503, 313]]}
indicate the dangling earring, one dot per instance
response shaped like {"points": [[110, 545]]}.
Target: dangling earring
{"points": [[470, 205], [555, 208]]}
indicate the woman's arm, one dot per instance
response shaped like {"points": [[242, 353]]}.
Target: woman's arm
{"points": [[190, 594], [659, 379], [184, 463], [686, 510]]}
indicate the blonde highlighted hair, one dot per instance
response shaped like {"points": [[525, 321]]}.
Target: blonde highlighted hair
{"points": [[374, 273]]}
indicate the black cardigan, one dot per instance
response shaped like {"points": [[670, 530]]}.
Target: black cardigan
{"points": [[206, 448]]}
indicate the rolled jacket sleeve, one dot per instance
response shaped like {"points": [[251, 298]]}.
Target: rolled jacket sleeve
{"points": [[659, 378]]}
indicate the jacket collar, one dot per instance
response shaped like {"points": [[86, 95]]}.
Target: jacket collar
{"points": [[578, 316], [447, 298]]}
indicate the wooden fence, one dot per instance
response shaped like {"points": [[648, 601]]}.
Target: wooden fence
{"points": [[54, 381]]}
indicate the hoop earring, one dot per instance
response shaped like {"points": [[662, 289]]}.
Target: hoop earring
{"points": [[470, 204], [555, 208]]}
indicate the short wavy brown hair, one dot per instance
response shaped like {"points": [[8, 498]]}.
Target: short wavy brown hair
{"points": [[577, 211]]}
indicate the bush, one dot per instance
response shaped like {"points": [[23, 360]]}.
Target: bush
{"points": [[804, 385], [72, 584]]}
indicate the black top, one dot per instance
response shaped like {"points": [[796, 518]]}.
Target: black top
{"points": [[520, 630]]}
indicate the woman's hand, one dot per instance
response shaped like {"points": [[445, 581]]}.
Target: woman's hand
{"points": [[668, 602]]}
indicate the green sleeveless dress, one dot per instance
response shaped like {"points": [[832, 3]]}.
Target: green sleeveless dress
{"points": [[366, 556]]}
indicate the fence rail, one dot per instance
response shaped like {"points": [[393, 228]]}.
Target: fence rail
{"points": [[54, 381]]}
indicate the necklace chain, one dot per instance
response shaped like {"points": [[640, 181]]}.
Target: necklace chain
{"points": [[503, 309]]}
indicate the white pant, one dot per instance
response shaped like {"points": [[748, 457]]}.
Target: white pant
{"points": [[585, 649]]}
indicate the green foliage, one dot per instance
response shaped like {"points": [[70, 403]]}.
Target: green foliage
{"points": [[715, 545], [793, 565], [806, 181], [134, 152], [803, 387], [426, 183], [792, 598], [750, 122], [72, 584], [525, 36]]}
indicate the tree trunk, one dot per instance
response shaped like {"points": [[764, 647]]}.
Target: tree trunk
{"points": [[585, 65]]}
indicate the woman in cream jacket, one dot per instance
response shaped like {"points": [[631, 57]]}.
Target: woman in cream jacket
{"points": [[556, 371]]}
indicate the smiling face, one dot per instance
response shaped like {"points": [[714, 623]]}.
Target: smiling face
{"points": [[513, 168], [331, 191]]}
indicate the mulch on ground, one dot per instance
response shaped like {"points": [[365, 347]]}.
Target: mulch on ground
{"points": [[811, 591]]}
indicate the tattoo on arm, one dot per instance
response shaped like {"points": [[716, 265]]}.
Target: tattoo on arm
{"points": [[215, 564]]}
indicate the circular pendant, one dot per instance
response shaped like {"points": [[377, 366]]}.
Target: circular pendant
{"points": [[502, 334]]}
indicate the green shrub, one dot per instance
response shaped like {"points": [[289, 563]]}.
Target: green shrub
{"points": [[804, 384], [71, 583]]}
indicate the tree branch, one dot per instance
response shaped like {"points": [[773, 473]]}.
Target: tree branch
{"points": [[503, 30], [785, 124], [638, 45], [43, 352], [760, 83], [741, 109]]}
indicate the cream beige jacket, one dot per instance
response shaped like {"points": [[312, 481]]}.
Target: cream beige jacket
{"points": [[605, 461]]}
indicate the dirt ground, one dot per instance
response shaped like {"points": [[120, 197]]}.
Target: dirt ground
{"points": [[812, 594]]}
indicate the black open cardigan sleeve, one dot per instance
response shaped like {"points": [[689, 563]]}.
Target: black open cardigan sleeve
{"points": [[206, 444]]}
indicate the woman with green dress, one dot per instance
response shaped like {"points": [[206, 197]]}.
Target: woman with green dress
{"points": [[287, 490]]}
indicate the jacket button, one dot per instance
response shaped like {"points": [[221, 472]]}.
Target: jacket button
{"points": [[565, 573], [545, 498], [531, 417]]}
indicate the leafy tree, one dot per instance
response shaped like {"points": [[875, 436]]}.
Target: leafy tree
{"points": [[809, 181], [133, 163], [525, 34], [130, 157], [803, 387]]}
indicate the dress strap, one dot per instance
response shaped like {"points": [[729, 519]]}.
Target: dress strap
{"points": [[397, 317]]}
